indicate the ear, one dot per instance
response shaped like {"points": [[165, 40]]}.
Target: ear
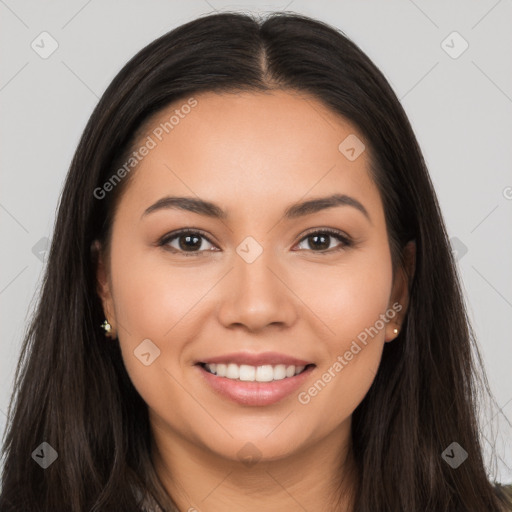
{"points": [[103, 283], [400, 291]]}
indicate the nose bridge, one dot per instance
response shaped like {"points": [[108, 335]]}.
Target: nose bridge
{"points": [[256, 294]]}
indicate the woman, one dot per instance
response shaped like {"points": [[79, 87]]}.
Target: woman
{"points": [[193, 350]]}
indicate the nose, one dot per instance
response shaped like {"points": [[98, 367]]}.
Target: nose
{"points": [[257, 295]]}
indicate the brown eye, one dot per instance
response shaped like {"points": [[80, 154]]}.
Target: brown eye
{"points": [[320, 241], [186, 241]]}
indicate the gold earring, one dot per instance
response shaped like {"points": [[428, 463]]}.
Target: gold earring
{"points": [[107, 328], [395, 331]]}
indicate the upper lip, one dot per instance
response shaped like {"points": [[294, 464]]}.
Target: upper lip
{"points": [[251, 359]]}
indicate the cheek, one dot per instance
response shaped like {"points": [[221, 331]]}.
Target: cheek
{"points": [[159, 300], [349, 296], [149, 300], [151, 293], [353, 301]]}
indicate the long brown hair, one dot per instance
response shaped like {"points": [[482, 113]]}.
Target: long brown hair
{"points": [[71, 387]]}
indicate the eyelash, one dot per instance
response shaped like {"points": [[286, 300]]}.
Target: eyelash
{"points": [[344, 239]]}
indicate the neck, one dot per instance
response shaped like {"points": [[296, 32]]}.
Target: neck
{"points": [[320, 477]]}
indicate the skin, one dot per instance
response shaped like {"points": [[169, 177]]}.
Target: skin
{"points": [[244, 151]]}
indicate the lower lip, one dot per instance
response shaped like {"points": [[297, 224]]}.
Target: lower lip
{"points": [[255, 393]]}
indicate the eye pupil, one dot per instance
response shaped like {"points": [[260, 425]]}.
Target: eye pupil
{"points": [[184, 246], [321, 246]]}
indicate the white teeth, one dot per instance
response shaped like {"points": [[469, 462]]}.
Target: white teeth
{"points": [[290, 371], [245, 372], [264, 373], [233, 371], [280, 372]]}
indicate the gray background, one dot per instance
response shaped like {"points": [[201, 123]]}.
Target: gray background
{"points": [[460, 109]]}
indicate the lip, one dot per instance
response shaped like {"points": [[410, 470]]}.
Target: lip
{"points": [[254, 393], [272, 358]]}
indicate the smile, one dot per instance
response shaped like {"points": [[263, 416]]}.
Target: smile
{"points": [[248, 373], [254, 385]]}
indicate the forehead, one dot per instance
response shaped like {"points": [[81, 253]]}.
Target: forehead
{"points": [[239, 147]]}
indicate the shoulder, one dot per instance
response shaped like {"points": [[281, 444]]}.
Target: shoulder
{"points": [[146, 503], [504, 492]]}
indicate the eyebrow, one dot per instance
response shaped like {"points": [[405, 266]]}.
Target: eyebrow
{"points": [[294, 211]]}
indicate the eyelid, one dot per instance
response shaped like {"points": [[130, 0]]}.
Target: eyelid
{"points": [[330, 231], [163, 241], [342, 237], [345, 240]]}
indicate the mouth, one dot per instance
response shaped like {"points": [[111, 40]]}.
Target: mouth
{"points": [[249, 385], [249, 373]]}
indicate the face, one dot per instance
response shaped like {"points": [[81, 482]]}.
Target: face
{"points": [[259, 289]]}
